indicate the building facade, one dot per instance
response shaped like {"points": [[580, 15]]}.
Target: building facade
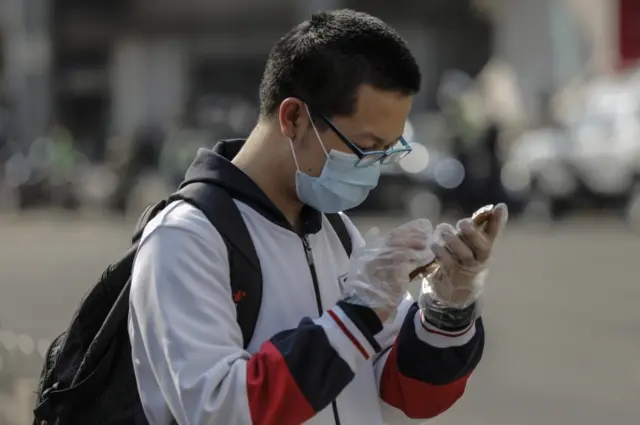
{"points": [[106, 66], [103, 67]]}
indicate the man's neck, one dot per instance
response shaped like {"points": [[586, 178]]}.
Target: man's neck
{"points": [[269, 172]]}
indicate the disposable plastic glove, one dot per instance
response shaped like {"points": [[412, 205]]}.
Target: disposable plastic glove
{"points": [[379, 271], [463, 253]]}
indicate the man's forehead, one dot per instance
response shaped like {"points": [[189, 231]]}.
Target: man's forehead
{"points": [[382, 112]]}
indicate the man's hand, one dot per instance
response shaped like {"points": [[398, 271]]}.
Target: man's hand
{"points": [[463, 253], [378, 272]]}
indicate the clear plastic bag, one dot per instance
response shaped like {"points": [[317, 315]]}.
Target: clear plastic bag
{"points": [[379, 271]]}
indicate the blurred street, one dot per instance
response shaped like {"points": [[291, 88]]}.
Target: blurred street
{"points": [[561, 313], [535, 104]]}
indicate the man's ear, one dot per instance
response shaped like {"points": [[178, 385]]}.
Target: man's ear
{"points": [[293, 118]]}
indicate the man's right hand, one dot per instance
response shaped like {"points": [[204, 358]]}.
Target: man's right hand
{"points": [[378, 271]]}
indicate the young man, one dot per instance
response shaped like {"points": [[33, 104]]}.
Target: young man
{"points": [[335, 95]]}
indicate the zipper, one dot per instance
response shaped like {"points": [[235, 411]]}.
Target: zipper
{"points": [[316, 288]]}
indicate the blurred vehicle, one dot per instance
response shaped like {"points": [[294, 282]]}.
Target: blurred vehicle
{"points": [[46, 173], [537, 172], [176, 154], [429, 182], [225, 116], [403, 189], [606, 140], [437, 177], [212, 118], [141, 156], [593, 162], [422, 184]]}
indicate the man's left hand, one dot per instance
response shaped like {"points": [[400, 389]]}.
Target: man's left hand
{"points": [[463, 253]]}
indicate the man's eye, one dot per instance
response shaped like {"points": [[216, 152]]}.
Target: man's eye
{"points": [[368, 147]]}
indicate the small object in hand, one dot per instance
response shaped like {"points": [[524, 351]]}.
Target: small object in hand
{"points": [[479, 218]]}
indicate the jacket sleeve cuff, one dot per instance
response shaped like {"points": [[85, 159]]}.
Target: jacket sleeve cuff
{"points": [[352, 342], [448, 319], [439, 338]]}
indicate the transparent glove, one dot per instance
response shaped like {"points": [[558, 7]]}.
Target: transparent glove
{"points": [[463, 253], [379, 271]]}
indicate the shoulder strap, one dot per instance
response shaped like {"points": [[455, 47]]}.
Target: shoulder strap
{"points": [[341, 230], [146, 216], [244, 265]]}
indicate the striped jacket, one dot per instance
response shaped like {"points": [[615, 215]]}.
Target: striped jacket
{"points": [[339, 367]]}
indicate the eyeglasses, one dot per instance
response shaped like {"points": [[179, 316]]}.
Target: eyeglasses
{"points": [[365, 158]]}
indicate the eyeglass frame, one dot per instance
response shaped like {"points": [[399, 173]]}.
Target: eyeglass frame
{"points": [[361, 154]]}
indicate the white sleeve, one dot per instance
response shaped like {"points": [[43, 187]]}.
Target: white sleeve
{"points": [[421, 371], [180, 310], [187, 345]]}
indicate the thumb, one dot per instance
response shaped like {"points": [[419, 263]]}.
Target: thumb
{"points": [[371, 235], [497, 222]]}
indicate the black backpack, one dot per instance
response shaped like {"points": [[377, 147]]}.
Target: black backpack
{"points": [[88, 377]]}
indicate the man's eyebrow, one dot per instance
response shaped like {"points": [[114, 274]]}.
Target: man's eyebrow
{"points": [[379, 141]]}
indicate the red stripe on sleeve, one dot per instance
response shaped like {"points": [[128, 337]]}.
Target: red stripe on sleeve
{"points": [[348, 333], [274, 396], [417, 399]]}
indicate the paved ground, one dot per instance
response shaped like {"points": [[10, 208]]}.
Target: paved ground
{"points": [[562, 312]]}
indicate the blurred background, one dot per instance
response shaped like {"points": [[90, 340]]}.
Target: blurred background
{"points": [[535, 103]]}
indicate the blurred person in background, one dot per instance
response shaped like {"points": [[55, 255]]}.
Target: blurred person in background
{"points": [[463, 111], [63, 167], [334, 99], [63, 153], [143, 154], [482, 116], [5, 151], [6, 128], [459, 108], [502, 102]]}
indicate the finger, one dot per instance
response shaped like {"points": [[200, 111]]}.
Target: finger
{"points": [[386, 261], [476, 239], [373, 232], [416, 241], [497, 222], [392, 259], [459, 249], [421, 225], [444, 257], [409, 230], [444, 228]]}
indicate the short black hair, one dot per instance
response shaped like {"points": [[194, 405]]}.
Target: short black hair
{"points": [[324, 61]]}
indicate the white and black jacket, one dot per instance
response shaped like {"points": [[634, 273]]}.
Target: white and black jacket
{"points": [[187, 347]]}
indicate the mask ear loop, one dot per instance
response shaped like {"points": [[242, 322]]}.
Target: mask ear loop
{"points": [[293, 152], [315, 130]]}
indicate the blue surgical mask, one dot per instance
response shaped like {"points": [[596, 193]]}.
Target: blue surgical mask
{"points": [[340, 186]]}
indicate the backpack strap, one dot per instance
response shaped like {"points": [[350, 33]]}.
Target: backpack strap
{"points": [[245, 272], [341, 230], [146, 216]]}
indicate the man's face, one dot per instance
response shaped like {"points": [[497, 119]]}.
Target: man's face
{"points": [[377, 124]]}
